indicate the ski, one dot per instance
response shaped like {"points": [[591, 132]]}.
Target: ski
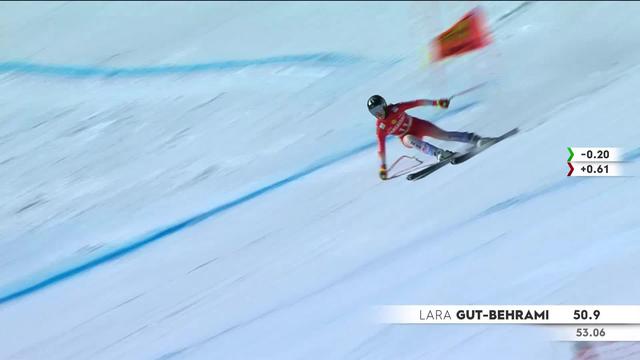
{"points": [[430, 169], [459, 158], [468, 155]]}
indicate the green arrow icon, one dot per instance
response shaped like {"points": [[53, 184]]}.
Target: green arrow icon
{"points": [[570, 154]]}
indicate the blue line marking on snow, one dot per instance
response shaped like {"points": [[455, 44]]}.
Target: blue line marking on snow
{"points": [[632, 155], [80, 71], [544, 190], [156, 235], [39, 282]]}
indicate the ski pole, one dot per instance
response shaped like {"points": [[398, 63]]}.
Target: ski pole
{"points": [[468, 90], [404, 171]]}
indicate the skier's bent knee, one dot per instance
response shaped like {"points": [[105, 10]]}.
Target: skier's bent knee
{"points": [[409, 141]]}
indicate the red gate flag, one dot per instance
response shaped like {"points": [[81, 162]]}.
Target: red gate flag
{"points": [[468, 34]]}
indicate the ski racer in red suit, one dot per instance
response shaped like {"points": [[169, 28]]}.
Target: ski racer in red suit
{"points": [[393, 120]]}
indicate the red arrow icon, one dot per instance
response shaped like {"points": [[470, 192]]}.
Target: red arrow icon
{"points": [[570, 169]]}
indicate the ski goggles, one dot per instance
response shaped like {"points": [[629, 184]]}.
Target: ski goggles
{"points": [[378, 111]]}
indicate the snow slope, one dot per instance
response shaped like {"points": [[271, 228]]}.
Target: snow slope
{"points": [[207, 188]]}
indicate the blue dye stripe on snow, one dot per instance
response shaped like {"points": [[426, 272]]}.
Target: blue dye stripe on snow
{"points": [[39, 282], [80, 71], [630, 156]]}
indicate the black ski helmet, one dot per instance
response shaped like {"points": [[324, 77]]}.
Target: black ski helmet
{"points": [[376, 104]]}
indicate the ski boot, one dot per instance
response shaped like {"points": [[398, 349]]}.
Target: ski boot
{"points": [[479, 141], [444, 155]]}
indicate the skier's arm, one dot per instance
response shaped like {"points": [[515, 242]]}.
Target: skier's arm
{"points": [[404, 106], [382, 153]]}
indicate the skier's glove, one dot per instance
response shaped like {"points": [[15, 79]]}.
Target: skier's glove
{"points": [[443, 103], [383, 172]]}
